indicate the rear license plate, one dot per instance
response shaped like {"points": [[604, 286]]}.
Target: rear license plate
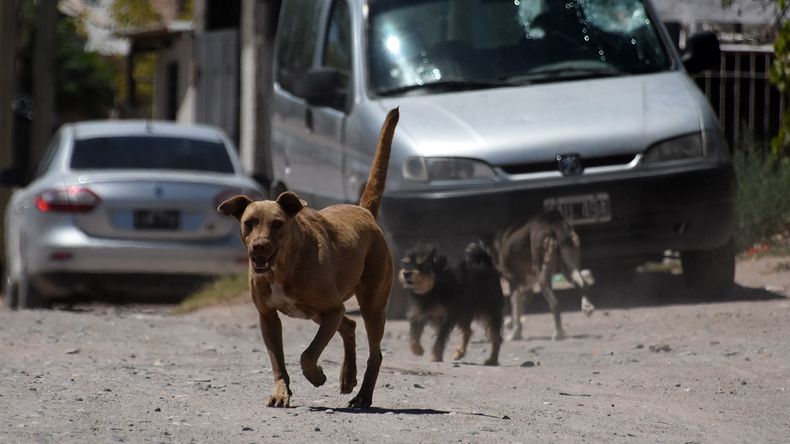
{"points": [[582, 209], [156, 220]]}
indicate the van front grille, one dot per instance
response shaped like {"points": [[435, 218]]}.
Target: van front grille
{"points": [[587, 162]]}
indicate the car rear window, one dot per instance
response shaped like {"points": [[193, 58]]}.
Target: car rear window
{"points": [[150, 152]]}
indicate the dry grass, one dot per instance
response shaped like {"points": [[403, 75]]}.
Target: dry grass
{"points": [[231, 289]]}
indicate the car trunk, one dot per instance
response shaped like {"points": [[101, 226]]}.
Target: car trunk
{"points": [[167, 206]]}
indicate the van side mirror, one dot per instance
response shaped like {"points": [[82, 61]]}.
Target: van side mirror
{"points": [[702, 52], [325, 87]]}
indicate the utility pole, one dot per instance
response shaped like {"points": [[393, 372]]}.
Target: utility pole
{"points": [[43, 79], [258, 27], [248, 101], [7, 75]]}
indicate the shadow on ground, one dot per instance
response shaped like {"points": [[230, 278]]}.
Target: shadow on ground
{"points": [[649, 290], [411, 411], [380, 411]]}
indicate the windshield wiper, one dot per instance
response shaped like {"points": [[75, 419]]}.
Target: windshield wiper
{"points": [[542, 75], [444, 85]]}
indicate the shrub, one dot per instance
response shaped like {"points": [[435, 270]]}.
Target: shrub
{"points": [[763, 207]]}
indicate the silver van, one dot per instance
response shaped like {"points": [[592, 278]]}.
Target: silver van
{"points": [[509, 107]]}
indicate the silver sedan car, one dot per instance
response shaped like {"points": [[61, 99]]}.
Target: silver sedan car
{"points": [[124, 206]]}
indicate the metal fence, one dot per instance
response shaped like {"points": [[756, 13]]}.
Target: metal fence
{"points": [[749, 107]]}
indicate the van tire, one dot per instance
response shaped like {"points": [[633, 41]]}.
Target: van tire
{"points": [[710, 273]]}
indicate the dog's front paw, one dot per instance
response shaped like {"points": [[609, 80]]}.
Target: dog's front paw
{"points": [[313, 372], [491, 361], [315, 375], [281, 396], [515, 335], [417, 349], [459, 353], [559, 335], [587, 307], [360, 402]]}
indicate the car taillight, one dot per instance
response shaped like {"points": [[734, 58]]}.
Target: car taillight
{"points": [[67, 200]]}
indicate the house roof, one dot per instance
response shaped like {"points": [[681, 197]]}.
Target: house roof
{"points": [[747, 12]]}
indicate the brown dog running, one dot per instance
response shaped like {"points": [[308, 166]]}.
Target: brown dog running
{"points": [[529, 254], [306, 263]]}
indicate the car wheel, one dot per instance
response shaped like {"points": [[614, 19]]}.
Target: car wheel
{"points": [[710, 272], [9, 293], [28, 296]]}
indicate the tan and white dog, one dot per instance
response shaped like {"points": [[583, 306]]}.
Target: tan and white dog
{"points": [[529, 254], [306, 263]]}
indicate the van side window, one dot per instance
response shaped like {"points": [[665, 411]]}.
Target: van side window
{"points": [[298, 28], [337, 51]]}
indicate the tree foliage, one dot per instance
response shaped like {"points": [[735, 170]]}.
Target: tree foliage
{"points": [[780, 76], [85, 80], [130, 14], [84, 88]]}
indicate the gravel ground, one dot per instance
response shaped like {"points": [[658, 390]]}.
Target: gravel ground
{"points": [[652, 364]]}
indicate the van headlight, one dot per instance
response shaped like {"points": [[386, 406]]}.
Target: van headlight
{"points": [[679, 148], [435, 169]]}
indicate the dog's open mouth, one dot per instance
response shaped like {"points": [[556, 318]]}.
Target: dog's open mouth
{"points": [[261, 263]]}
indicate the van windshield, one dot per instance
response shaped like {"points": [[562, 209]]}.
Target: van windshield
{"points": [[427, 46]]}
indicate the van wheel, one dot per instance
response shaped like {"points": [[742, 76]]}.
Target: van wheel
{"points": [[28, 296], [710, 273]]}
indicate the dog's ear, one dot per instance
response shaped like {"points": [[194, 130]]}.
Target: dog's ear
{"points": [[234, 206], [290, 203], [432, 254]]}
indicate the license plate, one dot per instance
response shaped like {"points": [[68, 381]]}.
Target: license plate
{"points": [[582, 209], [156, 220]]}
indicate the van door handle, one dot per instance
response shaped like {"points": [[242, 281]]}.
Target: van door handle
{"points": [[308, 119]]}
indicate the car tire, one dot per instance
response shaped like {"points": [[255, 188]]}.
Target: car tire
{"points": [[710, 273], [9, 293], [27, 296]]}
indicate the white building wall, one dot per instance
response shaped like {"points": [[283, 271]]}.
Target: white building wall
{"points": [[180, 52]]}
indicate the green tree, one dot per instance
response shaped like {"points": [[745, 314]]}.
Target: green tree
{"points": [[85, 87], [85, 81], [134, 14], [780, 76]]}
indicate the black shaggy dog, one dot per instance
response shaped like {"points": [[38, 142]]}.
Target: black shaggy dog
{"points": [[447, 296]]}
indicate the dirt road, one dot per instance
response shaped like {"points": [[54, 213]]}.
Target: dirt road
{"points": [[652, 364]]}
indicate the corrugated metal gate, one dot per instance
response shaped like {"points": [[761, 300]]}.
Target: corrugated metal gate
{"points": [[749, 107], [217, 101]]}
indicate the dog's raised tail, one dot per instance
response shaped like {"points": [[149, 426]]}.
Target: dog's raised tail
{"points": [[374, 188]]}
